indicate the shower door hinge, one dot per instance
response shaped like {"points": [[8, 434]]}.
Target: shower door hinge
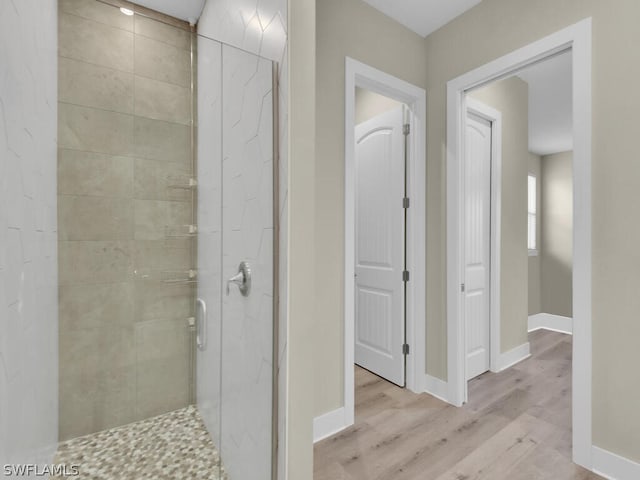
{"points": [[406, 129], [405, 349], [405, 276], [405, 202], [462, 287]]}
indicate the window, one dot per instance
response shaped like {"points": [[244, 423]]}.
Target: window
{"points": [[532, 216]]}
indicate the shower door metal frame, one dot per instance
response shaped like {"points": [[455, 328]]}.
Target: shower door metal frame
{"points": [[276, 271]]}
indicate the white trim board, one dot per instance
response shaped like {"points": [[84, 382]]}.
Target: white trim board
{"points": [[576, 38], [436, 387], [513, 356], [548, 321], [614, 467], [329, 424], [358, 74]]}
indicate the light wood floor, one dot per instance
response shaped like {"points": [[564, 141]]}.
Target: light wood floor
{"points": [[516, 426]]}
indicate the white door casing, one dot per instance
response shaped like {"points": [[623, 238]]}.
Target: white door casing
{"points": [[379, 296], [477, 250], [358, 74], [578, 38]]}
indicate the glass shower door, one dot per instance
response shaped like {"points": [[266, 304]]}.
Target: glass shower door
{"points": [[209, 217], [236, 257], [247, 236]]}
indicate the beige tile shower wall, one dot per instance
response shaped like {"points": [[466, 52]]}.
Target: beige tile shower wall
{"points": [[124, 140]]}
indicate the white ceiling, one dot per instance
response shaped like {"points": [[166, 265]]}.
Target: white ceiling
{"points": [[550, 98], [550, 105], [423, 16], [188, 10]]}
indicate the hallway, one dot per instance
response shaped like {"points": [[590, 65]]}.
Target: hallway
{"points": [[516, 426]]}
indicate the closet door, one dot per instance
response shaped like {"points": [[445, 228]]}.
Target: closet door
{"points": [[477, 295]]}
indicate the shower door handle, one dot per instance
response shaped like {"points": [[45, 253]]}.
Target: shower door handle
{"points": [[242, 279], [201, 325]]}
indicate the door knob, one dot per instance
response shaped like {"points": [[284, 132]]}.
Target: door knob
{"points": [[242, 279]]}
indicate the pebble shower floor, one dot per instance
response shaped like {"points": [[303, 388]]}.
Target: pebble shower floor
{"points": [[175, 445]]}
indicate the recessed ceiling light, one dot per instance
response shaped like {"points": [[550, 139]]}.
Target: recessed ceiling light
{"points": [[126, 11]]}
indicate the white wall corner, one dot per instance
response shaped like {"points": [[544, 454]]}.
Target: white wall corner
{"points": [[436, 387], [552, 322], [614, 467], [513, 356], [329, 424]]}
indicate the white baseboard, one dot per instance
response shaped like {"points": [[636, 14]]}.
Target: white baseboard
{"points": [[513, 356], [436, 387], [328, 424], [548, 321], [614, 467]]}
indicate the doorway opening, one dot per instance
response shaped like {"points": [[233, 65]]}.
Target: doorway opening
{"points": [[385, 186], [517, 167], [381, 202], [506, 228]]}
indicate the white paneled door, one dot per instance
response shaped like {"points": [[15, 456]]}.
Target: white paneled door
{"points": [[477, 227], [380, 237]]}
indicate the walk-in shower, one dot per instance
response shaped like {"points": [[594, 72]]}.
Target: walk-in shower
{"points": [[167, 233]]}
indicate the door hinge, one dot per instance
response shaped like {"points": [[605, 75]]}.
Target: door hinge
{"points": [[405, 276], [462, 287], [405, 349], [405, 202], [406, 129]]}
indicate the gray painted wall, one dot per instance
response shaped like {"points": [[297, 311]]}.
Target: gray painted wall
{"points": [[557, 235], [511, 98], [535, 300], [370, 104]]}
